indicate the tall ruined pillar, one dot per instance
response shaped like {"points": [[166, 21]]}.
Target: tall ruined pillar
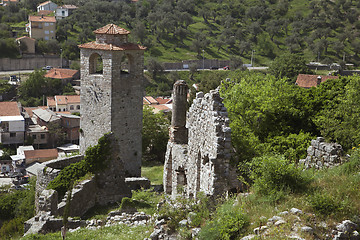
{"points": [[178, 131]]}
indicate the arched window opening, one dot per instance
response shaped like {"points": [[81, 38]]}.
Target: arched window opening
{"points": [[126, 64], [96, 64]]}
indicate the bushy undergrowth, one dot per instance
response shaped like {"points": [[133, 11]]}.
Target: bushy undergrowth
{"points": [[229, 222], [94, 161], [15, 208], [274, 174], [324, 203]]}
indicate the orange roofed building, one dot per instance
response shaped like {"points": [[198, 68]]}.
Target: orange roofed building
{"points": [[64, 103], [308, 81], [41, 27], [65, 75]]}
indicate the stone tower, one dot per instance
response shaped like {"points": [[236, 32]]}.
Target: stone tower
{"points": [[111, 93], [178, 131]]}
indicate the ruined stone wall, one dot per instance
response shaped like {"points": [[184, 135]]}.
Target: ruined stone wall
{"points": [[323, 155], [203, 164]]}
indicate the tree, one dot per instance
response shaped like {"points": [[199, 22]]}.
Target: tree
{"points": [[154, 134], [288, 66], [154, 67]]}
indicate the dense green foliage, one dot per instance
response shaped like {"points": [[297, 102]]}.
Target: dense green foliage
{"points": [[155, 134], [33, 91], [228, 223], [95, 160], [182, 29], [288, 66], [275, 174], [16, 207], [271, 115]]}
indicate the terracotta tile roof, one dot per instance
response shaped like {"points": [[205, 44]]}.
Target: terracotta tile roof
{"points": [[25, 37], [150, 100], [66, 99], [44, 3], [51, 101], [68, 6], [308, 81], [42, 19], [105, 46], [112, 29], [41, 153], [61, 73], [44, 12], [9, 109], [13, 1], [162, 100]]}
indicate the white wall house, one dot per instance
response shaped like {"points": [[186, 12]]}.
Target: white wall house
{"points": [[64, 11], [12, 129], [47, 6]]}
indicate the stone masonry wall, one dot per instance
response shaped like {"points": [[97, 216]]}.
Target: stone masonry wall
{"points": [[203, 164], [112, 102], [322, 155]]}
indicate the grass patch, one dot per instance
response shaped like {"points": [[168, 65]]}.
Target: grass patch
{"points": [[118, 232], [153, 171]]}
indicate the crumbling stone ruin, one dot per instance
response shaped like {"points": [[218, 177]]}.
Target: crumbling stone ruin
{"points": [[111, 98], [323, 155], [199, 150]]}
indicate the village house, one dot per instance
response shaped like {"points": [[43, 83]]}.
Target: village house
{"points": [[28, 42], [64, 74], [160, 104], [308, 81], [40, 155], [64, 11], [64, 103], [6, 2], [38, 135], [71, 126], [41, 27], [47, 6], [12, 124]]}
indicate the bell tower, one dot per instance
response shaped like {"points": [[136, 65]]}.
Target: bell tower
{"points": [[112, 93]]}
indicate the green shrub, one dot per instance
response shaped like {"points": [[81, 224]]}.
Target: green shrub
{"points": [[324, 203], [229, 222], [272, 174], [95, 160], [353, 165]]}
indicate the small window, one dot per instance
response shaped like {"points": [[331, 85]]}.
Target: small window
{"points": [[71, 107], [34, 136], [46, 24], [78, 107], [59, 109], [46, 38], [42, 136], [46, 32], [12, 135], [51, 24]]}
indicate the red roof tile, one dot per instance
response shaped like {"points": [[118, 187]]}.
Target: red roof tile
{"points": [[112, 29], [308, 81], [44, 12], [162, 100], [66, 99], [41, 153], [61, 73], [42, 19], [9, 109], [111, 47], [51, 101], [26, 37], [150, 100]]}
